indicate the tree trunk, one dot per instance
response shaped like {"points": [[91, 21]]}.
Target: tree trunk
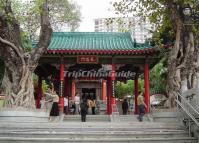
{"points": [[183, 62], [23, 97], [19, 65]]}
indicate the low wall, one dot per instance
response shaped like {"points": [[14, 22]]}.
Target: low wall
{"points": [[11, 115], [169, 116]]}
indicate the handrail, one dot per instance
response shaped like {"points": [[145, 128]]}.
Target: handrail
{"points": [[188, 104], [188, 113], [186, 110]]}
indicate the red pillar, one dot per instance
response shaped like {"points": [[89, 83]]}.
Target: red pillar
{"points": [[61, 97], [66, 90], [73, 90], [110, 90], [39, 92], [109, 94], [104, 90], [146, 86], [136, 94], [66, 87], [113, 85]]}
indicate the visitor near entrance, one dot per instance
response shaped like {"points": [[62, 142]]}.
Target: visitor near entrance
{"points": [[83, 109], [45, 103], [89, 106], [54, 113], [125, 106], [65, 105], [42, 102], [77, 102], [73, 108], [48, 101], [93, 106], [141, 106]]}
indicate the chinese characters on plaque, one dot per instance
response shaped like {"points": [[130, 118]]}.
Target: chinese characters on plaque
{"points": [[87, 59]]}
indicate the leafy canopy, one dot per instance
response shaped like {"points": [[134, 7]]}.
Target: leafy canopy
{"points": [[158, 12], [64, 15]]}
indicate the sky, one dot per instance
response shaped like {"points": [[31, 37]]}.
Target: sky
{"points": [[93, 9]]}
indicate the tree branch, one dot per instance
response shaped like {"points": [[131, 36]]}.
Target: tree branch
{"points": [[15, 32], [45, 35], [14, 48]]}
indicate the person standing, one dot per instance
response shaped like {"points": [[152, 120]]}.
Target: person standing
{"points": [[141, 107], [89, 112], [77, 102], [125, 106], [54, 113], [42, 103], [93, 106], [84, 109], [48, 100], [65, 105], [73, 109]]}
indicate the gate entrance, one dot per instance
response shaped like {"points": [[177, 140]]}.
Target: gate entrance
{"points": [[89, 93], [90, 63]]}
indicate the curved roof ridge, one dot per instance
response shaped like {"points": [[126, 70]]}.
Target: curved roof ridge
{"points": [[91, 33], [109, 41]]}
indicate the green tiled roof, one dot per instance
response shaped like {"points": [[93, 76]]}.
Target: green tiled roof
{"points": [[94, 41]]}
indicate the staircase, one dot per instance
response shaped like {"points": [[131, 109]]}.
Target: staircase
{"points": [[89, 118], [132, 118], [71, 130]]}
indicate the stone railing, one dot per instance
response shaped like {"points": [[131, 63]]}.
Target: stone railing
{"points": [[192, 96]]}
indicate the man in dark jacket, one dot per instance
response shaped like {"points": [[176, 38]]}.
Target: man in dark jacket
{"points": [[84, 109], [125, 107]]}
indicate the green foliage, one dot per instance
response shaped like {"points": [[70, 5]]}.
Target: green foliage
{"points": [[63, 15], [164, 36], [26, 42], [66, 12], [158, 78], [35, 82], [141, 84], [159, 14], [44, 86], [123, 89], [158, 75]]}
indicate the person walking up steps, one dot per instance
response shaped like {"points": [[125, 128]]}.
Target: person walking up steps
{"points": [[141, 106], [77, 102], [83, 110], [125, 106]]}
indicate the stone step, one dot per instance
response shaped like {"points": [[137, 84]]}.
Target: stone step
{"points": [[105, 118], [89, 118], [131, 118], [94, 130], [97, 129], [134, 128], [91, 129], [90, 125], [94, 134], [98, 140], [169, 116]]}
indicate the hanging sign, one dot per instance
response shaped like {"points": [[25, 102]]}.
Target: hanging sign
{"points": [[87, 59]]}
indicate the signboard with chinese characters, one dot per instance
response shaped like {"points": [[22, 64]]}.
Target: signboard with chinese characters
{"points": [[87, 59]]}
